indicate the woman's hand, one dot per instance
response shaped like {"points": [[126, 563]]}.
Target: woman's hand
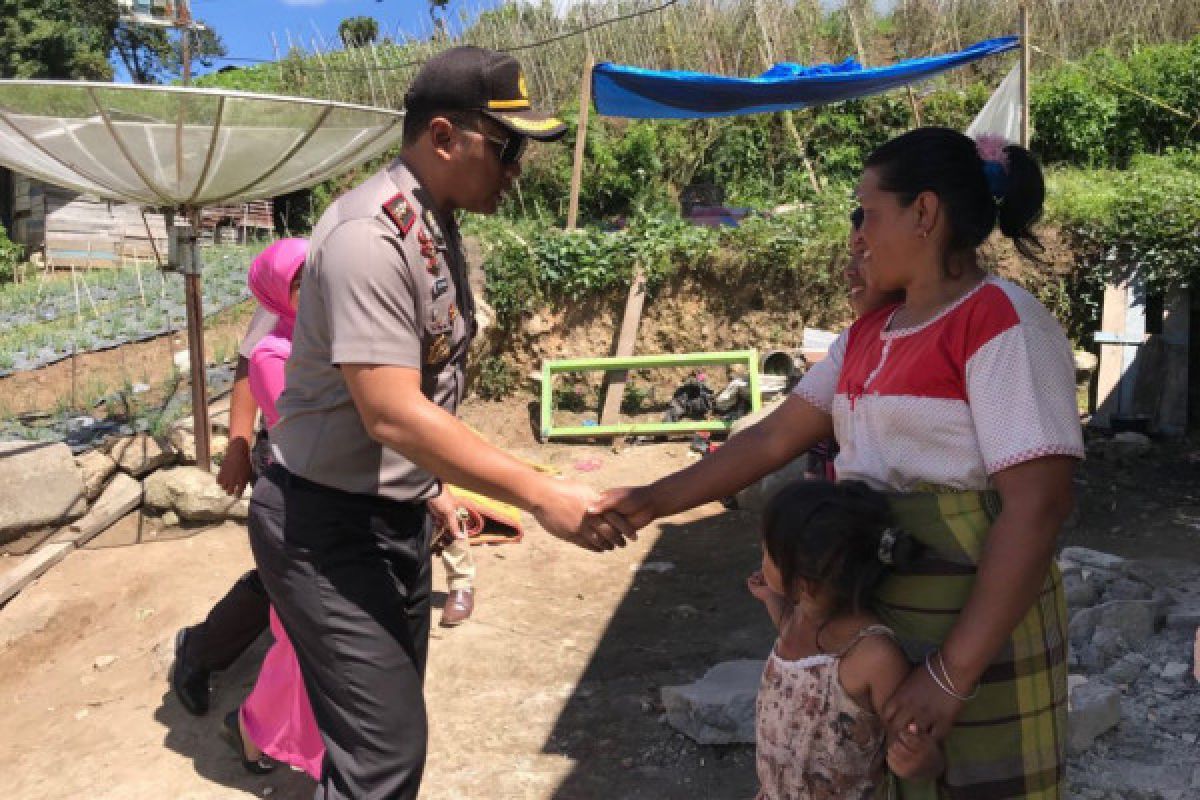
{"points": [[633, 504], [922, 703]]}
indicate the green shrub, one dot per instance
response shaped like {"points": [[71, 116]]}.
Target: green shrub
{"points": [[11, 257], [498, 378]]}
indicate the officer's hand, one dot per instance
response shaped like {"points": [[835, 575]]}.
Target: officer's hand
{"points": [[235, 467], [563, 511], [444, 510]]}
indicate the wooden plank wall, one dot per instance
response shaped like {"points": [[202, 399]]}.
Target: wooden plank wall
{"points": [[84, 231]]}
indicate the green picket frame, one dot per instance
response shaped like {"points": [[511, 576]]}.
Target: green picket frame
{"points": [[747, 358]]}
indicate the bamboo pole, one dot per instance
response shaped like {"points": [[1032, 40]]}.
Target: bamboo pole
{"points": [[1024, 20], [585, 105]]}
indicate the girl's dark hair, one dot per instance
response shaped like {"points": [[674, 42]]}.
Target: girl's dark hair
{"points": [[947, 163], [832, 533]]}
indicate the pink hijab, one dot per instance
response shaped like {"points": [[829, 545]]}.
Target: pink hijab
{"points": [[271, 277], [270, 280]]}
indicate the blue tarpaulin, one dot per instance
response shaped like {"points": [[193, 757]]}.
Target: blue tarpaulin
{"points": [[622, 91]]}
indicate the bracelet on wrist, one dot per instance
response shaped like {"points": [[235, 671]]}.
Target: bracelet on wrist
{"points": [[942, 683]]}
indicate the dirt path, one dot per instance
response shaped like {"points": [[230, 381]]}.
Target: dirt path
{"points": [[551, 692]]}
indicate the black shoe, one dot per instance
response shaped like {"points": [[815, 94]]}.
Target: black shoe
{"points": [[232, 733], [190, 684]]}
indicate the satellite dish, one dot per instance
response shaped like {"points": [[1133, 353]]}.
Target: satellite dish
{"points": [[173, 147], [181, 149]]}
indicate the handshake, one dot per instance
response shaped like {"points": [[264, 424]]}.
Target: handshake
{"points": [[591, 519]]}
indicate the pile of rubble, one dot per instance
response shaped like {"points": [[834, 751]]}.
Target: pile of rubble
{"points": [[46, 487], [1133, 721], [1133, 727]]}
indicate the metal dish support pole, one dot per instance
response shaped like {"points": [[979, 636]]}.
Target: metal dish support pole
{"points": [[185, 257]]}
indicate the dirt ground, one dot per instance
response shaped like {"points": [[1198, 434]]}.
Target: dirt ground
{"points": [[550, 692]]}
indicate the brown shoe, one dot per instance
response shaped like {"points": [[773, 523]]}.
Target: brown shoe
{"points": [[459, 605]]}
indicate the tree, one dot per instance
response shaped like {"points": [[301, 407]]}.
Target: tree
{"points": [[358, 31], [56, 39], [152, 55]]}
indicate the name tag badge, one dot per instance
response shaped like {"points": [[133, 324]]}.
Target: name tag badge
{"points": [[439, 323], [440, 287]]}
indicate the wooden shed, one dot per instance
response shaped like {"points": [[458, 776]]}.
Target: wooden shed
{"points": [[68, 229]]}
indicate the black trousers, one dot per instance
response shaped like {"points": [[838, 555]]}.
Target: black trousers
{"points": [[349, 576], [233, 624]]}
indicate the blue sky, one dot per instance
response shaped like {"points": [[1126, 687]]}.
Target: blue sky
{"points": [[246, 25]]}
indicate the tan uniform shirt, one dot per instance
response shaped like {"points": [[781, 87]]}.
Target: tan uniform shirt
{"points": [[385, 284]]}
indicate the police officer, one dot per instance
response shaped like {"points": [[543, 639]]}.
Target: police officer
{"points": [[339, 524]]}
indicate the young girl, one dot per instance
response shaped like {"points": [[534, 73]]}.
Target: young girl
{"points": [[820, 732]]}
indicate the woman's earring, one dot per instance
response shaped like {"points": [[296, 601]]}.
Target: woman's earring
{"points": [[924, 234]]}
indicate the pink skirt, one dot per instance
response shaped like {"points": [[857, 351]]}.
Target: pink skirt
{"points": [[277, 715]]}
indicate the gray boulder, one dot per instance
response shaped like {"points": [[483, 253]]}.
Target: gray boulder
{"points": [[1133, 620], [1092, 709], [193, 494], [1086, 557], [718, 708], [42, 487]]}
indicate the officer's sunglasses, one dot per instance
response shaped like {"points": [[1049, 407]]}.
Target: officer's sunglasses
{"points": [[510, 150]]}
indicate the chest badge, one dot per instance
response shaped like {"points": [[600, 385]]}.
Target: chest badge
{"points": [[429, 252], [439, 349], [435, 230], [401, 213], [440, 287]]}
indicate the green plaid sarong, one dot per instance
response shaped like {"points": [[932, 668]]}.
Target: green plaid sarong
{"points": [[1010, 741]]}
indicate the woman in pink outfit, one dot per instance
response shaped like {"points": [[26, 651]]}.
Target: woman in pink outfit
{"points": [[276, 719]]}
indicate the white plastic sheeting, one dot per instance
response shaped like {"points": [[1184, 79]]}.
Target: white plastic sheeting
{"points": [[1001, 115], [175, 147]]}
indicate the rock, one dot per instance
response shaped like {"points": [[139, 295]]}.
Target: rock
{"points": [[1174, 670], [183, 441], [41, 485], [1079, 592], [1133, 620], [718, 708], [104, 662], [1126, 589], [170, 519], [95, 468], [193, 494], [1128, 668], [122, 495], [1092, 709], [1086, 557], [1184, 617], [141, 454]]}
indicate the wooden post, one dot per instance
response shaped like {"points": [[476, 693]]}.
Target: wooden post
{"points": [[585, 107], [614, 390], [1024, 19]]}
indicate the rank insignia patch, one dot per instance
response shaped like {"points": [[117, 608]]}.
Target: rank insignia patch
{"points": [[439, 349], [400, 211]]}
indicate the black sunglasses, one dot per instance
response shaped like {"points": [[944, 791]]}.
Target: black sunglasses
{"points": [[510, 150]]}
